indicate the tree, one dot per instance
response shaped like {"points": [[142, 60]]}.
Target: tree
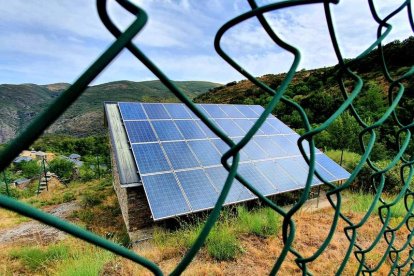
{"points": [[30, 169], [63, 168], [344, 132]]}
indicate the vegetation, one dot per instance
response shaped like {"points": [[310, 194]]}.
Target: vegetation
{"points": [[29, 169], [65, 258], [223, 243], [28, 100], [63, 168]]}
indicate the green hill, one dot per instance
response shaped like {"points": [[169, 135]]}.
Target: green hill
{"points": [[317, 91], [21, 103]]}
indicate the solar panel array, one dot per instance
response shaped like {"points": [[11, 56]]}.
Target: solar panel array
{"points": [[178, 157]]}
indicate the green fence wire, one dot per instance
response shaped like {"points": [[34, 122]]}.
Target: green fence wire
{"points": [[400, 257]]}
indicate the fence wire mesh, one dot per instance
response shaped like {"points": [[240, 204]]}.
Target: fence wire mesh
{"points": [[399, 256]]}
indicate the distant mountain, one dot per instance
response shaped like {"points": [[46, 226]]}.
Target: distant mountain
{"points": [[19, 104]]}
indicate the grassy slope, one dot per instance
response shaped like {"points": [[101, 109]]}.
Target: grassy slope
{"points": [[242, 242], [20, 103]]}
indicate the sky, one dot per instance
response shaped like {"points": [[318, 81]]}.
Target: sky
{"points": [[50, 41]]}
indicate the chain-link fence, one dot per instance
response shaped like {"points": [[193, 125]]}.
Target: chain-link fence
{"points": [[399, 256]]}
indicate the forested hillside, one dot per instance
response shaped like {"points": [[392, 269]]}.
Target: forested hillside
{"points": [[317, 91]]}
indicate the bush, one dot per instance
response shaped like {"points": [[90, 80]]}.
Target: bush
{"points": [[30, 169], [91, 199], [63, 168]]}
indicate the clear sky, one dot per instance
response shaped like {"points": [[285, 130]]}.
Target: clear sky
{"points": [[48, 41]]}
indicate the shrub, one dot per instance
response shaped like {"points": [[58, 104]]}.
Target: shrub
{"points": [[63, 168], [68, 196], [30, 169], [91, 199]]}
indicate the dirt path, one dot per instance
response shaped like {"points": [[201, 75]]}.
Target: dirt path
{"points": [[34, 232]]}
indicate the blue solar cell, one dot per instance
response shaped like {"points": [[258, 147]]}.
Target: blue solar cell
{"points": [[247, 111], [231, 111], [190, 129], [279, 178], [256, 179], [178, 111], [271, 148], [166, 130], [237, 191], [339, 172], [207, 131], [150, 158], [198, 189], [284, 143], [254, 152], [205, 152], [257, 109], [180, 155], [302, 162], [140, 131], [229, 127], [324, 173], [267, 129], [156, 111], [279, 125], [132, 111], [246, 125], [164, 196], [294, 170], [223, 147], [214, 111]]}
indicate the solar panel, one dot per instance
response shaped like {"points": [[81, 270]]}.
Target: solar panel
{"points": [[140, 131], [156, 111], [166, 130], [179, 158], [178, 111], [164, 196], [132, 111], [180, 155], [205, 152], [193, 189], [237, 192], [190, 129], [150, 158]]}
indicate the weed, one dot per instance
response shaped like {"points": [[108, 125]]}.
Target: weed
{"points": [[84, 261], [262, 222], [222, 243], [35, 258]]}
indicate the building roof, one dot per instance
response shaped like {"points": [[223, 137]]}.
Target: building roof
{"points": [[21, 181], [22, 159], [125, 162], [74, 156]]}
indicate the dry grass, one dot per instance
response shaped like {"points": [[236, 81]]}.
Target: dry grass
{"points": [[10, 219], [259, 254]]}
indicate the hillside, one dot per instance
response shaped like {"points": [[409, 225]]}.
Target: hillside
{"points": [[21, 103], [317, 91]]}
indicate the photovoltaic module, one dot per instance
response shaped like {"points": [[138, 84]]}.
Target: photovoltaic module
{"points": [[178, 156]]}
